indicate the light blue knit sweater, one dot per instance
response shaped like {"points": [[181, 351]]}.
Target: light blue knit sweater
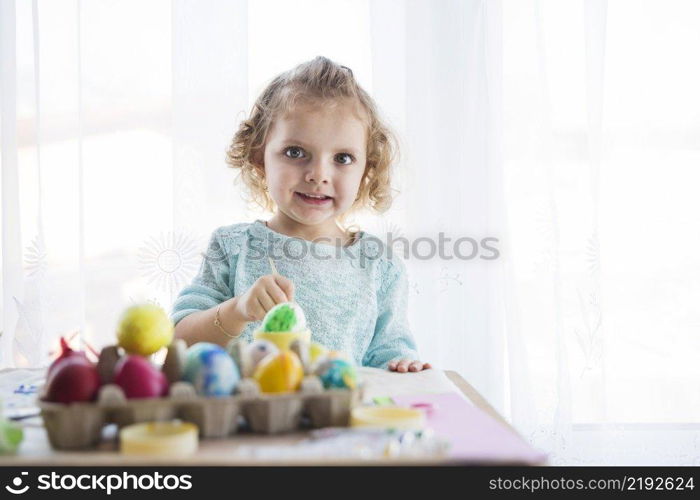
{"points": [[354, 297]]}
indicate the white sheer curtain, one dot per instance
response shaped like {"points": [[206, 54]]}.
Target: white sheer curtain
{"points": [[599, 154], [116, 117], [567, 130], [552, 126]]}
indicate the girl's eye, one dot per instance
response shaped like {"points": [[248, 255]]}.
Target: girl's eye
{"points": [[296, 152], [347, 156]]}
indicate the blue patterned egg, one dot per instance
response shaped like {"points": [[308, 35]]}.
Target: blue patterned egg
{"points": [[210, 369], [337, 374]]}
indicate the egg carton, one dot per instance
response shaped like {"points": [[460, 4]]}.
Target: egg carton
{"points": [[79, 425]]}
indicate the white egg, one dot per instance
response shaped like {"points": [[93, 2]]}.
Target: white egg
{"points": [[256, 351]]}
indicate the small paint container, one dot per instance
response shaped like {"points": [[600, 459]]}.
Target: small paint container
{"points": [[159, 438], [388, 417]]}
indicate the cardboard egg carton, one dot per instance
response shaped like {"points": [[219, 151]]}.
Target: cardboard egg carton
{"points": [[80, 425]]}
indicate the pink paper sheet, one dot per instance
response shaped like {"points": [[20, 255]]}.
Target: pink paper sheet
{"points": [[474, 436]]}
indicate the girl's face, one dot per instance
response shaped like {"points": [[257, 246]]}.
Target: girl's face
{"points": [[315, 150]]}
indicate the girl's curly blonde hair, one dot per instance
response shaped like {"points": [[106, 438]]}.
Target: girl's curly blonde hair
{"points": [[318, 80]]}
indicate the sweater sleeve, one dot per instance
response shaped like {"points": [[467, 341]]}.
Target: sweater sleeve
{"points": [[211, 285], [392, 337]]}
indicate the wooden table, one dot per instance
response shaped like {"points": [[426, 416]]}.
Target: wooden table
{"points": [[35, 450]]}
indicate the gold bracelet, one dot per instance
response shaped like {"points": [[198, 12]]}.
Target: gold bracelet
{"points": [[217, 322]]}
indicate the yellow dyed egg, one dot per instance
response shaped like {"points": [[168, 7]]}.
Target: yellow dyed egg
{"points": [[144, 329], [280, 372]]}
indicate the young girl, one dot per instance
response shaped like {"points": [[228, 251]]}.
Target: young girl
{"points": [[313, 151]]}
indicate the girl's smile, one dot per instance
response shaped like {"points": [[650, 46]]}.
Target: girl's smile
{"points": [[314, 199]]}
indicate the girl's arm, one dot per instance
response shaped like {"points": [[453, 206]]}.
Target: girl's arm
{"points": [[199, 326], [392, 340]]}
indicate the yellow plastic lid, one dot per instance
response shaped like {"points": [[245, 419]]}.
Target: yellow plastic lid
{"points": [[159, 438], [387, 417]]}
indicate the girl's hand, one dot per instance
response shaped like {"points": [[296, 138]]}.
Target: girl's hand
{"points": [[408, 365], [265, 293]]}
